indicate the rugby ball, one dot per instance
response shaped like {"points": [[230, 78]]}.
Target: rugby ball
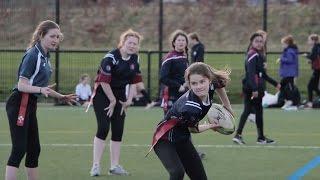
{"points": [[219, 115]]}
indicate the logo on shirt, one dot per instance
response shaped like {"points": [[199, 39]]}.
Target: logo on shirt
{"points": [[132, 66], [108, 68]]}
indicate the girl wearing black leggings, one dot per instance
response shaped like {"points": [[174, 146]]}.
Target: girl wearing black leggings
{"points": [[253, 89], [171, 141], [118, 68], [33, 78], [314, 57]]}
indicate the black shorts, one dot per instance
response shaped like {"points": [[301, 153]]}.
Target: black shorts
{"points": [[100, 102]]}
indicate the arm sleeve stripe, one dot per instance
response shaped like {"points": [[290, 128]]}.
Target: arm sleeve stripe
{"points": [[188, 104], [251, 57], [192, 102], [37, 68], [176, 57]]}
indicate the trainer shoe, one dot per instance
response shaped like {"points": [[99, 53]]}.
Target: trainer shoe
{"points": [[291, 108], [265, 141], [95, 171], [150, 105], [118, 170], [287, 104], [238, 139], [308, 105]]}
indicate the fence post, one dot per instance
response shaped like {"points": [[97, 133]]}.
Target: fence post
{"points": [[149, 73], [160, 26], [265, 15]]}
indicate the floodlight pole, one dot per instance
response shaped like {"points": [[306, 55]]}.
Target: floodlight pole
{"points": [[160, 30], [265, 14]]}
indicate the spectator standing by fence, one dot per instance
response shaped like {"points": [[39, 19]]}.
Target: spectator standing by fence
{"points": [[197, 49], [289, 69], [314, 57]]}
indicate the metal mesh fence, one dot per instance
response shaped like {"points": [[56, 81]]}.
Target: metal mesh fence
{"points": [[97, 25]]}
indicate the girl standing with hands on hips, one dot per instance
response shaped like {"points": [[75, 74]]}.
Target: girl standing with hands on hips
{"points": [[118, 68]]}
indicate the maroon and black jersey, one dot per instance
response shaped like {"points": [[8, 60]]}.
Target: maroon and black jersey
{"points": [[188, 110], [172, 72], [255, 72], [119, 72], [314, 56]]}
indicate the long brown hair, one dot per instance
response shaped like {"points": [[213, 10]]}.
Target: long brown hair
{"points": [[175, 35], [216, 76], [252, 37], [41, 30]]}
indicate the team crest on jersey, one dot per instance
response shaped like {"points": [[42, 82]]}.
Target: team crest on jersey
{"points": [[108, 68], [132, 66]]}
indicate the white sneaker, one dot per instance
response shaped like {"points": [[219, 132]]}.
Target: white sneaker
{"points": [[291, 108], [308, 105], [150, 105], [95, 171], [286, 104], [118, 170]]}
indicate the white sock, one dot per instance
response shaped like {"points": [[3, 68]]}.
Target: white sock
{"points": [[32, 173], [11, 173], [98, 149], [114, 153]]}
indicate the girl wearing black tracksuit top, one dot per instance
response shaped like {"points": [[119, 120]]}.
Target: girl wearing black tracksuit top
{"points": [[171, 141], [172, 70], [118, 68], [314, 57], [253, 89]]}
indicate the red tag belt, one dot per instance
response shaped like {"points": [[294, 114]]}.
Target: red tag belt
{"points": [[23, 108], [161, 130]]}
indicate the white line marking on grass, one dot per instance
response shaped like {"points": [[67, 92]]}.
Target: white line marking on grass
{"points": [[204, 146]]}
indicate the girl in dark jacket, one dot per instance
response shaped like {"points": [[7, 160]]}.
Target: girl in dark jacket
{"points": [[253, 89], [314, 58], [172, 70]]}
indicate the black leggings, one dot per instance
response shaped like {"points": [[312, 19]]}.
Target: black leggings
{"points": [[179, 158], [313, 85], [250, 104], [100, 102], [25, 139], [283, 95]]}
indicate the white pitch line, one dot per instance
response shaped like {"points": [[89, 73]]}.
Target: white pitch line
{"points": [[204, 146]]}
